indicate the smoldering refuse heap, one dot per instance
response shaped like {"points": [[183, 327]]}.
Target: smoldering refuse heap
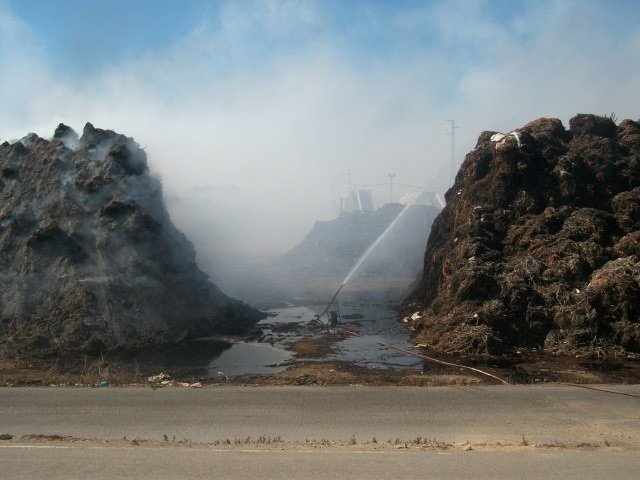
{"points": [[538, 246], [89, 258]]}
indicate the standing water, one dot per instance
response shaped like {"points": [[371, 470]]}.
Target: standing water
{"points": [[369, 314]]}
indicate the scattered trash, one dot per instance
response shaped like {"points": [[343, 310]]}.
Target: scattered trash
{"points": [[416, 316], [500, 139], [159, 378], [103, 383], [196, 385], [308, 379]]}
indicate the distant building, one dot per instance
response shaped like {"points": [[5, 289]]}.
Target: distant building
{"points": [[422, 198], [356, 201]]}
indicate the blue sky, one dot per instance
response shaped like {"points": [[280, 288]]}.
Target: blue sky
{"points": [[277, 96], [85, 35]]}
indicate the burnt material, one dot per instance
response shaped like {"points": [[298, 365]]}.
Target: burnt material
{"points": [[89, 258], [538, 244]]}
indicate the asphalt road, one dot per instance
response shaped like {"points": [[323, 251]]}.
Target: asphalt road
{"points": [[165, 463], [608, 424], [541, 414]]}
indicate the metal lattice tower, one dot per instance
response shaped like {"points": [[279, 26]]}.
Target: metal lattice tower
{"points": [[391, 175], [452, 160]]}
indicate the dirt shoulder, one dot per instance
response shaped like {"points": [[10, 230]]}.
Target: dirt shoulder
{"points": [[522, 369], [265, 444]]}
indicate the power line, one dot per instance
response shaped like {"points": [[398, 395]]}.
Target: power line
{"points": [[411, 186], [429, 187], [421, 187], [363, 184]]}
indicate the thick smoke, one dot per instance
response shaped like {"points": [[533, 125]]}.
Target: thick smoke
{"points": [[275, 99]]}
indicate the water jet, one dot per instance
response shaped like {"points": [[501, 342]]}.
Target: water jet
{"points": [[362, 259]]}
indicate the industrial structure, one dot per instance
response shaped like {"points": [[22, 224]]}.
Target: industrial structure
{"points": [[356, 200]]}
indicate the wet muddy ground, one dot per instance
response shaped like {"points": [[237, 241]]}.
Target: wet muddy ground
{"points": [[291, 347]]}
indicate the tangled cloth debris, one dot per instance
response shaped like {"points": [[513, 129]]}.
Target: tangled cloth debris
{"points": [[538, 246]]}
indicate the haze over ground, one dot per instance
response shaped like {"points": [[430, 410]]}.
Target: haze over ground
{"points": [[278, 97]]}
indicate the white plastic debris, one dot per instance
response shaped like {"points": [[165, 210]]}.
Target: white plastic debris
{"points": [[416, 316], [196, 385], [500, 138], [159, 378]]}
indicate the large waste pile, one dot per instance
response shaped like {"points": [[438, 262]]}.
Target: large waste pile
{"points": [[538, 244], [333, 247], [89, 258]]}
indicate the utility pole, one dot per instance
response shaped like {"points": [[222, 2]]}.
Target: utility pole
{"points": [[452, 160], [337, 189], [391, 175]]}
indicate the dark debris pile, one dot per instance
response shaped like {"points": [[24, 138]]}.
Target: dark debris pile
{"points": [[89, 258], [538, 244]]}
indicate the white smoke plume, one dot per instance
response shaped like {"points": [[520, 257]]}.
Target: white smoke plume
{"points": [[276, 98]]}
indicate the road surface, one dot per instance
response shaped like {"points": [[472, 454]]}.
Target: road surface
{"points": [[601, 431], [156, 463]]}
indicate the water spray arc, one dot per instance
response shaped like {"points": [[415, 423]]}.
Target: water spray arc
{"points": [[361, 260]]}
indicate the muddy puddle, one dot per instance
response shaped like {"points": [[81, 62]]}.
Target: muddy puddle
{"points": [[375, 322], [287, 335], [205, 358]]}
